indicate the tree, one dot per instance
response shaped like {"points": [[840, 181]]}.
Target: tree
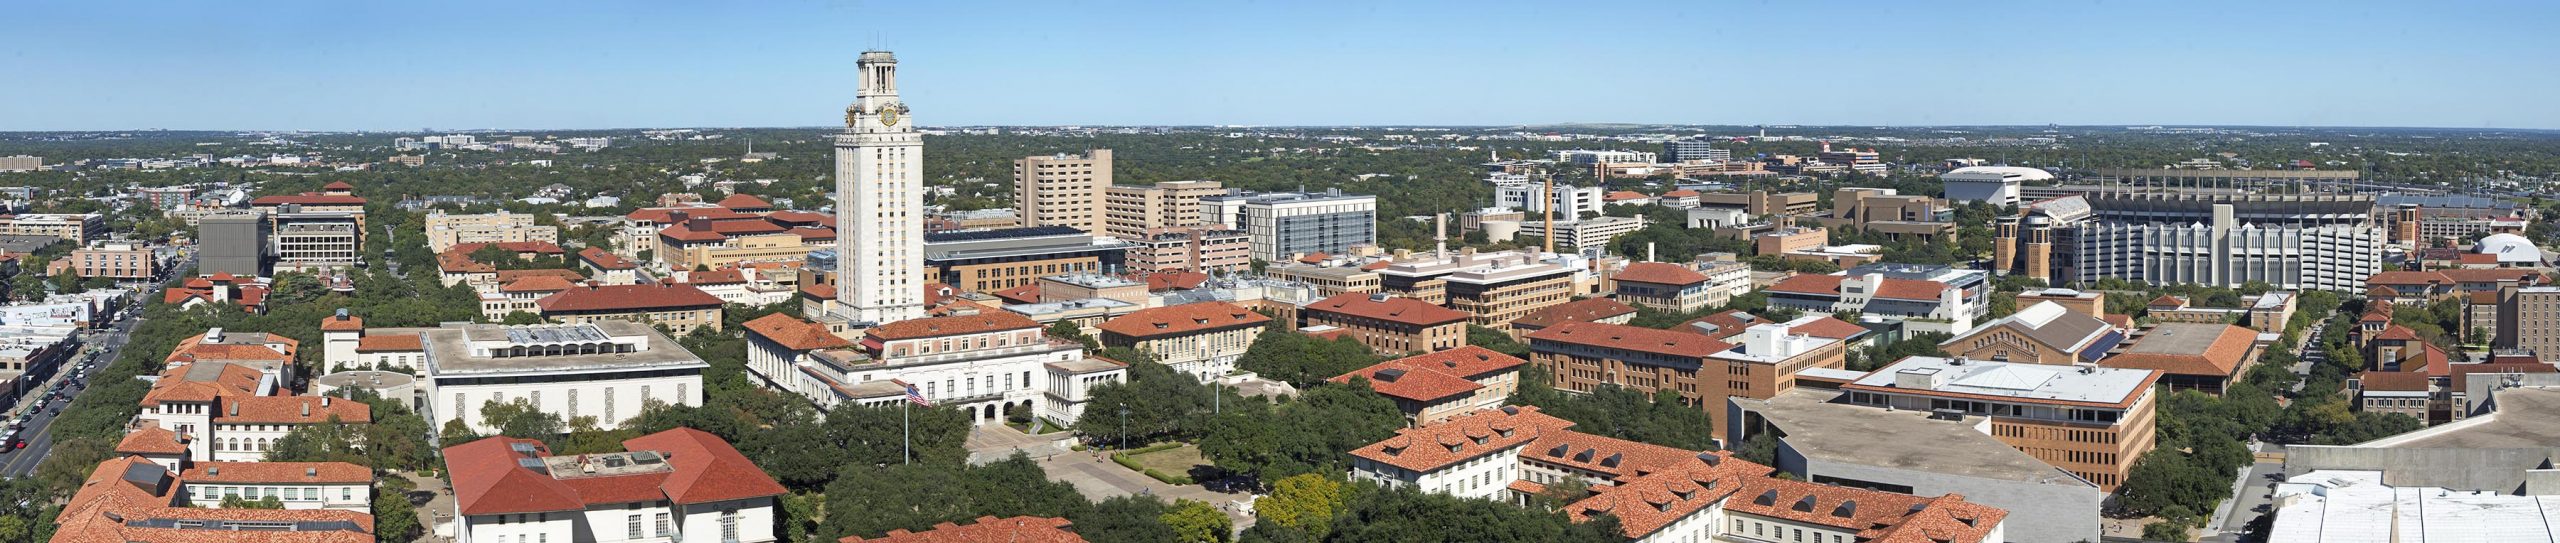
{"points": [[521, 317], [1662, 418], [2166, 530], [1067, 330], [520, 419], [1309, 435], [1302, 360], [1760, 448], [1305, 503], [456, 432], [394, 519], [1496, 340], [1195, 521], [1132, 518]]}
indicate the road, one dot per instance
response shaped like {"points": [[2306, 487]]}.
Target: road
{"points": [[110, 341], [22, 462]]}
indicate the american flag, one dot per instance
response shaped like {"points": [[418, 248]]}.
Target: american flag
{"points": [[917, 397]]}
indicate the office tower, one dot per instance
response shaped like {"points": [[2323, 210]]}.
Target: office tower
{"points": [[1062, 189]]}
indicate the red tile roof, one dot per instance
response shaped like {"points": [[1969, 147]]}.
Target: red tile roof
{"points": [[1661, 274], [1808, 283], [309, 199], [605, 260], [1317, 257], [510, 276], [347, 323], [2166, 300], [817, 291], [665, 215], [2404, 277], [228, 380], [1682, 193], [1021, 529], [1586, 309], [620, 298], [813, 234], [1184, 319], [952, 326], [795, 334], [1631, 338], [707, 468], [1827, 327], [2397, 333], [291, 410], [722, 276], [1175, 280], [1728, 323], [279, 472], [1910, 289], [2393, 381], [1434, 376], [1622, 195], [743, 202], [337, 185], [151, 439], [2491, 275], [2222, 357], [537, 283], [1026, 294], [1395, 309], [518, 247], [390, 343], [801, 218], [116, 505], [1439, 445], [1878, 517], [1892, 288], [488, 479]]}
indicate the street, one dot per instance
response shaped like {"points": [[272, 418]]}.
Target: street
{"points": [[110, 341]]}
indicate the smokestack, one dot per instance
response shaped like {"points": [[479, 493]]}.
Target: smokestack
{"points": [[1440, 235], [1550, 216], [1648, 251]]}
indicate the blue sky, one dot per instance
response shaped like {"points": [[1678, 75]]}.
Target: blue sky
{"points": [[335, 65]]}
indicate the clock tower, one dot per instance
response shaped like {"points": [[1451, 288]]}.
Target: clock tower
{"points": [[879, 202]]}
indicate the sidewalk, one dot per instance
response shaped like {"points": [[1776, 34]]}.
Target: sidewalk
{"points": [[1098, 478]]}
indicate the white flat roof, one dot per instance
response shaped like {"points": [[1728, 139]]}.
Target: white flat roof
{"points": [[2338, 506], [2022, 381]]}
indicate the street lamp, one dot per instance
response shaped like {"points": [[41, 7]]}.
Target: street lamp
{"points": [[1124, 426]]}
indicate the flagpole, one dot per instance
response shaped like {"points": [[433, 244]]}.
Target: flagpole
{"points": [[906, 436]]}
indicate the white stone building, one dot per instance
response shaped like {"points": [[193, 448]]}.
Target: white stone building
{"points": [[677, 486]]}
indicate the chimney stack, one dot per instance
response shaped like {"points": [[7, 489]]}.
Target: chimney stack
{"points": [[1440, 234]]}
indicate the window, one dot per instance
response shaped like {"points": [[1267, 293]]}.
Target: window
{"points": [[634, 525], [728, 525], [664, 528]]}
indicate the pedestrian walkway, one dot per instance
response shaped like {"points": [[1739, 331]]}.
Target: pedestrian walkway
{"points": [[1098, 478], [989, 443]]}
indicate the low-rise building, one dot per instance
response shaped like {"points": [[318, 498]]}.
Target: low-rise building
{"points": [[680, 307], [77, 228], [132, 498], [1432, 387], [608, 268], [985, 364], [2046, 333], [1823, 439], [677, 486], [1583, 310], [1583, 356], [1576, 235], [2190, 356], [2094, 422], [1329, 281], [1668, 287], [119, 261], [1878, 294], [994, 260], [1191, 249], [606, 370], [1202, 340], [1390, 324], [1790, 239], [444, 231]]}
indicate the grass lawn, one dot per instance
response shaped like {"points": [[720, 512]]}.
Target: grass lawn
{"points": [[1174, 461]]}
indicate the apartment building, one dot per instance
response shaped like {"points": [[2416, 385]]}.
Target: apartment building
{"points": [[1389, 324], [1133, 212], [2093, 422], [1062, 190], [1191, 249], [77, 228], [1202, 340], [119, 261], [1284, 225], [1569, 202], [21, 163], [1704, 371], [444, 230], [1433, 387], [1493, 288], [1577, 235], [2529, 320], [678, 486]]}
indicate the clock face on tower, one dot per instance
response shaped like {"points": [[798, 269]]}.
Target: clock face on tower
{"points": [[889, 115]]}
